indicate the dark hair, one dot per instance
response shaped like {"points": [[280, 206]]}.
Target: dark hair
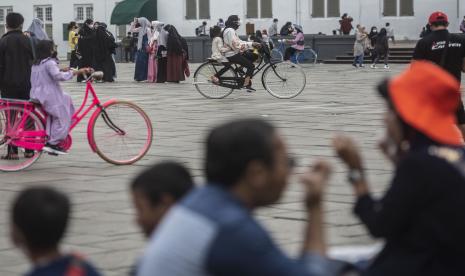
{"points": [[204, 23], [88, 21], [382, 32], [163, 178], [14, 20], [129, 33], [388, 24], [215, 31], [232, 146], [44, 50], [440, 23], [275, 20], [232, 22], [220, 20], [41, 214], [71, 25]]}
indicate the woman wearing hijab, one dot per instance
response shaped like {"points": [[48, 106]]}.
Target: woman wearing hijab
{"points": [[298, 43], [153, 48], [381, 49], [36, 30], [105, 49], [142, 26], [162, 55], [177, 55], [86, 46]]}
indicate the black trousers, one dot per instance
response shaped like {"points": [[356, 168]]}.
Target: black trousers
{"points": [[245, 61], [73, 60], [128, 54], [290, 51]]}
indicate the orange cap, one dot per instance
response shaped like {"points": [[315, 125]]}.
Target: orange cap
{"points": [[427, 97]]}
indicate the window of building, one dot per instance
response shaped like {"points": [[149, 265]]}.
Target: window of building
{"points": [[259, 9], [44, 13], [398, 8], [325, 8], [83, 12], [3, 12], [197, 9]]}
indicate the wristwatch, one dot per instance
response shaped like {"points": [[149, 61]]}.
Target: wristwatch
{"points": [[355, 175]]}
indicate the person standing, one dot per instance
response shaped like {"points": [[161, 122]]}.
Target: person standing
{"points": [[87, 46], [126, 43], [16, 57], [72, 42], [445, 49], [273, 29], [177, 55], [381, 49], [359, 46], [105, 49], [162, 55], [142, 26], [202, 29], [346, 24], [153, 48], [390, 32], [462, 25], [220, 23]]}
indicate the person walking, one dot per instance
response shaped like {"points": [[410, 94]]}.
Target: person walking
{"points": [[445, 49], [178, 54], [86, 46], [142, 26], [127, 45], [273, 29], [105, 49], [381, 49], [16, 57], [359, 46], [421, 216], [72, 42]]}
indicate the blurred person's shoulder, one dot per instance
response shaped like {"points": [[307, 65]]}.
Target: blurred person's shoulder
{"points": [[65, 265]]}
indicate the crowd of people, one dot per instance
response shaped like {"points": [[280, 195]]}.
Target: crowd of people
{"points": [[210, 229], [162, 54], [373, 43]]}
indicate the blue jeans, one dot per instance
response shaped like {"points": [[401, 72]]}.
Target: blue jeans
{"points": [[359, 59]]}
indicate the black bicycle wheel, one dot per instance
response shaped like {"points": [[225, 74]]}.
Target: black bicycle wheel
{"points": [[203, 81], [284, 80]]}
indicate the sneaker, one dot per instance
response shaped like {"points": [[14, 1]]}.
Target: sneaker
{"points": [[54, 149], [362, 66], [373, 66], [250, 89], [354, 65], [386, 66]]}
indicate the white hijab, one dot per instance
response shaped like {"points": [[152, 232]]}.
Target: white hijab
{"points": [[157, 27], [143, 30]]}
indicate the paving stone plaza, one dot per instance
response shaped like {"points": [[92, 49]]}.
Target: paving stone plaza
{"points": [[337, 98]]}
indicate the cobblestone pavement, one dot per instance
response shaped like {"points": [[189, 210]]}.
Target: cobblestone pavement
{"points": [[337, 98]]}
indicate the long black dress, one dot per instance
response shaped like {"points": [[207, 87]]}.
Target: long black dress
{"points": [[86, 47], [103, 55]]}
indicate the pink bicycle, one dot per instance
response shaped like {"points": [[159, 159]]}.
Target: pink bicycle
{"points": [[119, 131]]}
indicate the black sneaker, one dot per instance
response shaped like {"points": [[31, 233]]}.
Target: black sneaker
{"points": [[54, 149], [249, 89]]}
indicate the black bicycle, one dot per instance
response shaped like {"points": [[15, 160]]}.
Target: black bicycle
{"points": [[283, 80]]}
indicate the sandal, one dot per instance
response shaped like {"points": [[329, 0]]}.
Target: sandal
{"points": [[10, 156], [215, 80]]}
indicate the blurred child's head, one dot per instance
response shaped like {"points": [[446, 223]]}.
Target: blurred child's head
{"points": [[45, 49], [264, 32], [215, 31], [155, 190], [39, 218]]}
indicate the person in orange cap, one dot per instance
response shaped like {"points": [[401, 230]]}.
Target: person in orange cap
{"points": [[422, 214], [446, 50]]}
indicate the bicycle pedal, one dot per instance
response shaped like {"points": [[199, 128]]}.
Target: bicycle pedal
{"points": [[52, 154]]}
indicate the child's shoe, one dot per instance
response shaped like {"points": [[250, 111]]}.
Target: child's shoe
{"points": [[54, 149]]}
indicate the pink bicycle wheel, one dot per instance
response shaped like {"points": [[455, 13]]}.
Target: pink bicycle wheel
{"points": [[121, 133], [15, 136]]}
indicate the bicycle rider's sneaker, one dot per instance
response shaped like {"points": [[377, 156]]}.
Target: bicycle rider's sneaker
{"points": [[249, 88], [54, 149]]}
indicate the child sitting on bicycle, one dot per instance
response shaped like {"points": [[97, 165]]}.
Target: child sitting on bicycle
{"points": [[45, 87], [218, 49]]}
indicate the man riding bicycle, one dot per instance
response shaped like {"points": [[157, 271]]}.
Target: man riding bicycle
{"points": [[238, 50]]}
